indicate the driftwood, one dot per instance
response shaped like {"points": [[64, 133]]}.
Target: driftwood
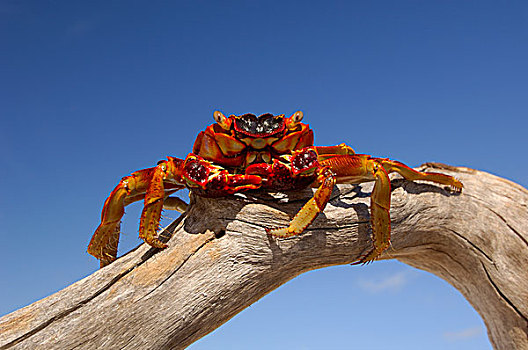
{"points": [[220, 261]]}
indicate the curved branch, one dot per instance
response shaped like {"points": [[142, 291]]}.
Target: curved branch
{"points": [[219, 263]]}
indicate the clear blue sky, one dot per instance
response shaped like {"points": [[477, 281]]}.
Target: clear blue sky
{"points": [[91, 91]]}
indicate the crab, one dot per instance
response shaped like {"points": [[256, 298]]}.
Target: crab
{"points": [[245, 152]]}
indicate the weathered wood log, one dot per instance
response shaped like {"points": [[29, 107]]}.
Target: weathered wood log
{"points": [[220, 261]]}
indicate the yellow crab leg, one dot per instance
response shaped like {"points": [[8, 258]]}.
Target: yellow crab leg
{"points": [[311, 209], [104, 242], [151, 214], [411, 174], [325, 152], [380, 199], [167, 170], [379, 211], [175, 203], [359, 168]]}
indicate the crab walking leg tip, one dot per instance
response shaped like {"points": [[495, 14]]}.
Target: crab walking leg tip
{"points": [[156, 243], [457, 186], [369, 257], [280, 232]]}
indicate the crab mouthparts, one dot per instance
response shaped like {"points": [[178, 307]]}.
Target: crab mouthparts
{"points": [[262, 126]]}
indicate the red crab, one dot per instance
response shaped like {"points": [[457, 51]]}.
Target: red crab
{"points": [[240, 153]]}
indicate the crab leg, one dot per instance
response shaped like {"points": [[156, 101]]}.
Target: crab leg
{"points": [[175, 203], [411, 174], [166, 172], [379, 211], [360, 168], [103, 244], [325, 152], [151, 214], [311, 209]]}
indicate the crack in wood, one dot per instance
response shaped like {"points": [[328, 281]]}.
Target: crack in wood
{"points": [[179, 267], [68, 311], [500, 216], [432, 247], [82, 303], [502, 295], [509, 226], [244, 221], [472, 244]]}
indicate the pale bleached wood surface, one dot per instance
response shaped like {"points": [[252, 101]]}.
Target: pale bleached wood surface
{"points": [[220, 261]]}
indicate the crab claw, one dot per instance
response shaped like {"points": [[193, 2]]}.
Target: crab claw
{"points": [[212, 180]]}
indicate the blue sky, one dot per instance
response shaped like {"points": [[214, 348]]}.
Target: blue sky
{"points": [[91, 91]]}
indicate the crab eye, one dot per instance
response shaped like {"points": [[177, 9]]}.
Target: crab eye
{"points": [[294, 120], [221, 120], [297, 116]]}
